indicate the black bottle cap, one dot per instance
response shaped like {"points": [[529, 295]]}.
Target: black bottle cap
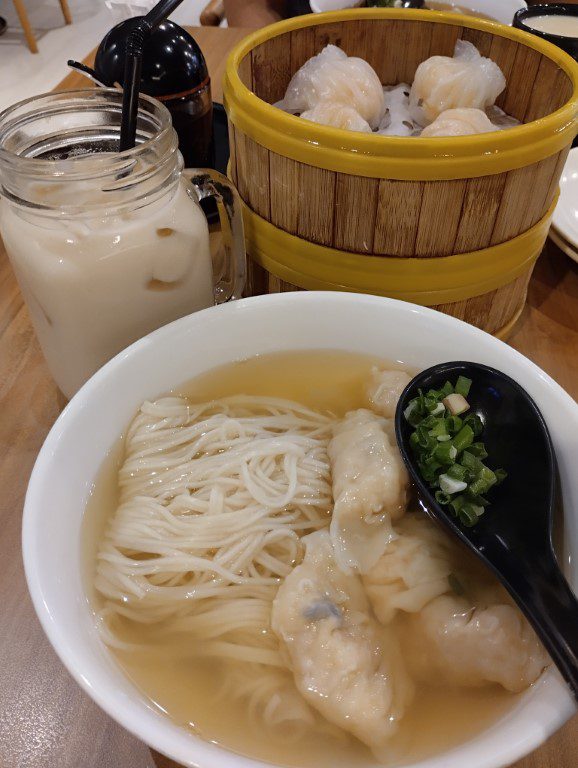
{"points": [[173, 64]]}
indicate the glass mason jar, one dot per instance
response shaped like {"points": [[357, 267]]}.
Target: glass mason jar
{"points": [[106, 245]]}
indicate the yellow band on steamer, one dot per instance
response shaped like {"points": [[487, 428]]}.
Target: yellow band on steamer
{"points": [[425, 281], [394, 157]]}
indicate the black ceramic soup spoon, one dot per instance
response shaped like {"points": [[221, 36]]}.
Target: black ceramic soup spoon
{"points": [[514, 536]]}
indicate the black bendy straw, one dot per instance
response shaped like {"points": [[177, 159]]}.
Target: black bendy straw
{"points": [[132, 68]]}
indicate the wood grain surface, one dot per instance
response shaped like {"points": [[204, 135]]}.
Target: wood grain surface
{"points": [[45, 720]]}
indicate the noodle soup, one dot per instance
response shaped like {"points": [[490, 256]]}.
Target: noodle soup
{"points": [[185, 560]]}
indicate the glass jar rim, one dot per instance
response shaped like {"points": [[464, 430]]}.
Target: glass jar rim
{"points": [[71, 122]]}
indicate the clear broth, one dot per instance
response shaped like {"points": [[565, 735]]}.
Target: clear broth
{"points": [[188, 691]]}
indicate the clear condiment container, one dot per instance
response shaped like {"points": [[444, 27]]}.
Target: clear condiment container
{"points": [[107, 246]]}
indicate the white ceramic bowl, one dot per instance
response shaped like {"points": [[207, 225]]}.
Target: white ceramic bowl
{"points": [[91, 423], [500, 10]]}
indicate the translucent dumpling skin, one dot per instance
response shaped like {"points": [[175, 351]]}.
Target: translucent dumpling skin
{"points": [[333, 77], [337, 116], [384, 390], [453, 642], [459, 122], [466, 80], [344, 664], [369, 489], [414, 569]]}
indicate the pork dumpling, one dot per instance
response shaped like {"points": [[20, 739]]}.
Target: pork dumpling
{"points": [[414, 569], [453, 642], [344, 664], [369, 489], [384, 390], [459, 122], [466, 80], [333, 76], [338, 116]]}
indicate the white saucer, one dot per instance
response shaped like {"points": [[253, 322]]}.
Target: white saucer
{"points": [[565, 220]]}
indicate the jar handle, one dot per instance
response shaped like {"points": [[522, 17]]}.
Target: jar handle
{"points": [[209, 183]]}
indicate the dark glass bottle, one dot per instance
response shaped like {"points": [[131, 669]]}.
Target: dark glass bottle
{"points": [[174, 71]]}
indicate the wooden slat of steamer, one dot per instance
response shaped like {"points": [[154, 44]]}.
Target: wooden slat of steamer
{"points": [[377, 42], [482, 40], [552, 88], [271, 62], [439, 217], [521, 82], [246, 71], [480, 209], [443, 39], [355, 41], [316, 211], [415, 47], [542, 180], [491, 311], [398, 210], [302, 47], [253, 174], [554, 185], [284, 185], [503, 52], [328, 34], [523, 199], [355, 213]]}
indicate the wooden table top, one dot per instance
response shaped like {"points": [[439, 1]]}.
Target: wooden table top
{"points": [[46, 721]]}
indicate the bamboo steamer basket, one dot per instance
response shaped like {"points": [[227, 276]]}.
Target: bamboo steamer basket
{"points": [[452, 223]]}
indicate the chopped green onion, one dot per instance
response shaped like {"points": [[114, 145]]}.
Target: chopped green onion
{"points": [[474, 421], [458, 472], [450, 485], [453, 424], [501, 475], [469, 514], [445, 453], [463, 386], [470, 462], [446, 390], [478, 450], [483, 482], [449, 452], [464, 438], [442, 498]]}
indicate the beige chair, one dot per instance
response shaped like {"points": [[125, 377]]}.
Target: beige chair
{"points": [[25, 21]]}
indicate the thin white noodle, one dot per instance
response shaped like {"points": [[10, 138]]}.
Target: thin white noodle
{"points": [[214, 500]]}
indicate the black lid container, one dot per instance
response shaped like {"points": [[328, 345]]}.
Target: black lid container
{"points": [[174, 71]]}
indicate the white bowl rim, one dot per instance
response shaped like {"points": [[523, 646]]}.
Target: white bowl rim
{"points": [[60, 639]]}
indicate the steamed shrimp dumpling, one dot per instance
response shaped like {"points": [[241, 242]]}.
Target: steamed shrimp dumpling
{"points": [[413, 570], [344, 663], [451, 641], [459, 122], [466, 80], [333, 76], [369, 489], [337, 116], [384, 390]]}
